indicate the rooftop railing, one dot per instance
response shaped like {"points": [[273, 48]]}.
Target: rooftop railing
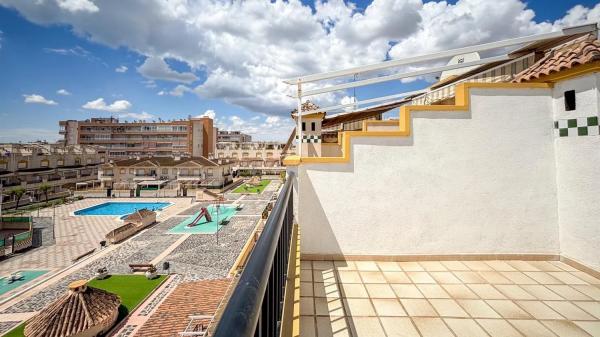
{"points": [[256, 305]]}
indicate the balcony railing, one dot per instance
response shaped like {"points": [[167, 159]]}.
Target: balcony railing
{"points": [[256, 305]]}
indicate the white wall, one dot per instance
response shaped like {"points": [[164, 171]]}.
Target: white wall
{"points": [[480, 182], [578, 168]]}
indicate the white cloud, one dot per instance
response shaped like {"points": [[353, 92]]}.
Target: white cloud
{"points": [[121, 69], [38, 99], [208, 113], [77, 6], [134, 115], [179, 90], [99, 104], [63, 92], [157, 69], [261, 127]]}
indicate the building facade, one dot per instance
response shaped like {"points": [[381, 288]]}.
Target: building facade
{"points": [[252, 157], [232, 136], [121, 139]]}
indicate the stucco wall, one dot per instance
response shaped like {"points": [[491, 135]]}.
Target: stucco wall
{"points": [[477, 182]]}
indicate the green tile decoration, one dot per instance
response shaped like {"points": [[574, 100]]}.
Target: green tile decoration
{"points": [[582, 131], [563, 132], [572, 123], [591, 121]]}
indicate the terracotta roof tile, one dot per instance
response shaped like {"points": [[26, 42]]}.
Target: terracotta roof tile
{"points": [[583, 50]]}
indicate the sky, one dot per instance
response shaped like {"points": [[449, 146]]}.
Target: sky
{"points": [[170, 59]]}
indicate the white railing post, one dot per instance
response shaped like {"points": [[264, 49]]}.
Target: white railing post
{"points": [[299, 117]]}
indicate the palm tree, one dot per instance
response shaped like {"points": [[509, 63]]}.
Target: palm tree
{"points": [[44, 188], [18, 193]]}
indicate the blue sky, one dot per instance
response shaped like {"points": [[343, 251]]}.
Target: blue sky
{"points": [[58, 58]]}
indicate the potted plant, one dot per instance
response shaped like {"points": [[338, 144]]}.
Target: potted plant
{"points": [[101, 273], [151, 273]]}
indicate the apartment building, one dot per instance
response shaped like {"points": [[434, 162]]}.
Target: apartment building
{"points": [[252, 157], [232, 136], [122, 139], [57, 165]]}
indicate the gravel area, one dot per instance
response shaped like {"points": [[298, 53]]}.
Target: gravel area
{"points": [[6, 326]]}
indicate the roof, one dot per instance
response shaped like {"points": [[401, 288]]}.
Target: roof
{"points": [[165, 161], [78, 310], [362, 114], [580, 51], [191, 298], [140, 214]]}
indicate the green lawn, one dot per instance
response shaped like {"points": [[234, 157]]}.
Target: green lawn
{"points": [[132, 289], [253, 189]]}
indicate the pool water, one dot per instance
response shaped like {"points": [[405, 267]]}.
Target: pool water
{"points": [[205, 227], [121, 208], [28, 276]]}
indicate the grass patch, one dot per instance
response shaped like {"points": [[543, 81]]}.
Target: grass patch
{"points": [[132, 289], [245, 188]]}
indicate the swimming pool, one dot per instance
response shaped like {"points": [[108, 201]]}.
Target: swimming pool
{"points": [[28, 276], [205, 227], [121, 208]]}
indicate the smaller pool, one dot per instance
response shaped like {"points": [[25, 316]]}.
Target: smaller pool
{"points": [[204, 227], [28, 276], [122, 208]]}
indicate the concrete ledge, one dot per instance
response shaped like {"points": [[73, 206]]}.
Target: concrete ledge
{"points": [[444, 257], [578, 265]]}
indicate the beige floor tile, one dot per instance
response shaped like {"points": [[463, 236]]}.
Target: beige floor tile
{"points": [[563, 266], [328, 307], [539, 310], [306, 289], [590, 307], [445, 277], [396, 277], [325, 290], [380, 291], [593, 328], [469, 277], [432, 291], [494, 277], [567, 277], [514, 292], [389, 266], [432, 327], [464, 327], [565, 329], [304, 264], [307, 326], [306, 275], [589, 290], [586, 277], [367, 327], [388, 307], [366, 266], [332, 327], [518, 277], [406, 291], [398, 327], [432, 266], [486, 291], [418, 307], [420, 277], [543, 277], [344, 265], [478, 266], [372, 277], [459, 291], [354, 290], [508, 309], [349, 276], [500, 265], [447, 308], [307, 306], [410, 266], [322, 265], [569, 310], [358, 307], [455, 265], [568, 292], [541, 292], [531, 328], [544, 266], [478, 309], [498, 328], [522, 265], [326, 276]]}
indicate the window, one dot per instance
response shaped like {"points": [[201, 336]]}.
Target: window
{"points": [[77, 161], [45, 163], [209, 172], [258, 155], [165, 171], [140, 172], [22, 164], [313, 126], [303, 126], [269, 154], [60, 162], [570, 100], [130, 171], [122, 171]]}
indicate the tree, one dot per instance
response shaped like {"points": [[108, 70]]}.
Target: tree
{"points": [[44, 188], [18, 193]]}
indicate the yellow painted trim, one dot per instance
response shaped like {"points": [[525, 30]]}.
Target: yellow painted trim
{"points": [[462, 102], [368, 122], [313, 115], [569, 73]]}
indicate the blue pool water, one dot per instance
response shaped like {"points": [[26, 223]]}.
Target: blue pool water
{"points": [[28, 276], [121, 208], [205, 227]]}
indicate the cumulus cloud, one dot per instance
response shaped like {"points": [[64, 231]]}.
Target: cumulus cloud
{"points": [[261, 127], [135, 115], [63, 92], [99, 104], [121, 69], [38, 99], [208, 113], [157, 69]]}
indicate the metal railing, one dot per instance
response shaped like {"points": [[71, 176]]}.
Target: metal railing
{"points": [[256, 305]]}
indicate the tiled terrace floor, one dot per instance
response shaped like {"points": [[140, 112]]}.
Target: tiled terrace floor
{"points": [[447, 298]]}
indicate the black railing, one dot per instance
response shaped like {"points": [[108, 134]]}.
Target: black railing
{"points": [[256, 305]]}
